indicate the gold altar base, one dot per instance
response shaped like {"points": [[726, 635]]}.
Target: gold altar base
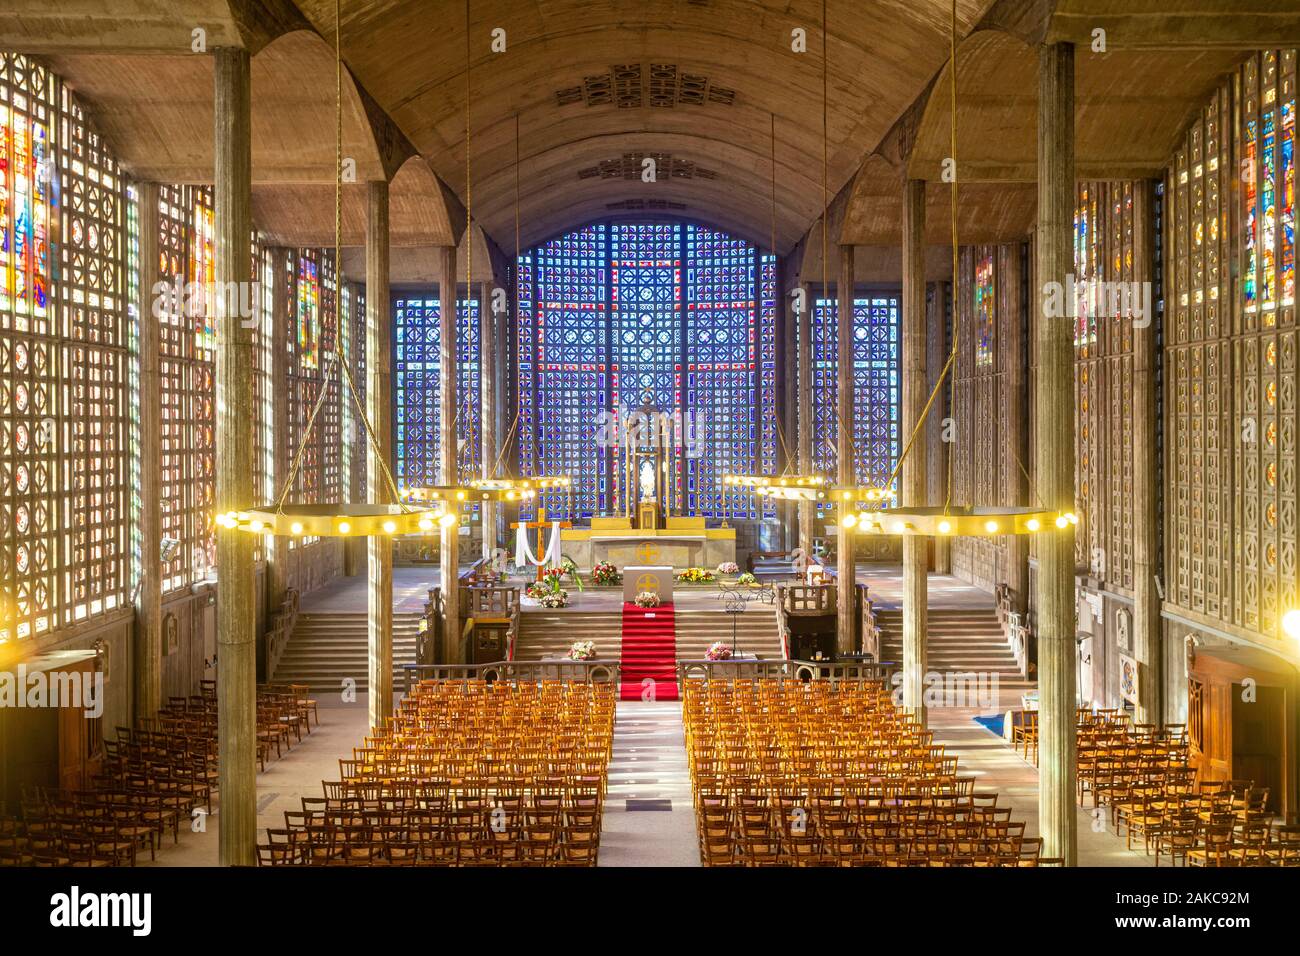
{"points": [[682, 543]]}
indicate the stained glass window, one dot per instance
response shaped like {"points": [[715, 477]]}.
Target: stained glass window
{"points": [[64, 335], [564, 367], [416, 346], [985, 310], [616, 312], [1287, 107], [877, 377], [311, 341]]}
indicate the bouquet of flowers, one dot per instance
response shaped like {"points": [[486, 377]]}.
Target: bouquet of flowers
{"points": [[728, 567], [555, 599], [582, 651], [646, 599], [553, 576], [747, 579], [718, 651], [536, 591], [605, 573], [695, 576]]}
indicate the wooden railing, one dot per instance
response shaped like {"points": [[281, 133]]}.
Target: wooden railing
{"points": [[278, 632], [799, 599], [589, 672]]}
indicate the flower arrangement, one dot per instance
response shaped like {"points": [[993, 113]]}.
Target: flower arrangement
{"points": [[582, 651], [718, 651], [553, 599], [695, 576], [605, 573], [646, 599], [553, 575], [536, 591], [728, 567], [747, 579]]}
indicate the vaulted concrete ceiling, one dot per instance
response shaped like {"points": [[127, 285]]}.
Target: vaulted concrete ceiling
{"points": [[595, 81]]}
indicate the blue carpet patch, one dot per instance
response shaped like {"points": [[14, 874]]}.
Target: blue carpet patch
{"points": [[993, 724]]}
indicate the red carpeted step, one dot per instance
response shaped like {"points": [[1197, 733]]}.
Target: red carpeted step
{"points": [[649, 652]]}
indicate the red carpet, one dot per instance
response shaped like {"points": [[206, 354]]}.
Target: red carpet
{"points": [[649, 651]]}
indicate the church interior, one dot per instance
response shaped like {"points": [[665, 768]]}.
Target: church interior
{"points": [[674, 433]]}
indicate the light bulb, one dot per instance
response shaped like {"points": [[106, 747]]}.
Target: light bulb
{"points": [[945, 527], [344, 527], [1033, 524], [1062, 521], [991, 526], [295, 528], [390, 527], [850, 520], [447, 519], [1291, 623], [426, 524]]}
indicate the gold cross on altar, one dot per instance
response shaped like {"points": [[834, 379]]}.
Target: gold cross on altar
{"points": [[539, 523], [647, 551]]}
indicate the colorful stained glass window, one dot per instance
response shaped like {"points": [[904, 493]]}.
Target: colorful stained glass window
{"points": [[64, 340], [416, 371], [877, 378], [1268, 189], [985, 310], [1288, 199], [1249, 150], [613, 314]]}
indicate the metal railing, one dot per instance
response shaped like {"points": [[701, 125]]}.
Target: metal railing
{"points": [[588, 672], [833, 671]]}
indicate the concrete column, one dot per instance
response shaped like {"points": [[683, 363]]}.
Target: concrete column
{"points": [[1015, 398], [803, 308], [1146, 558], [846, 575], [913, 492], [1054, 456], [147, 655], [379, 389], [447, 451], [277, 548], [235, 441], [937, 460], [488, 413]]}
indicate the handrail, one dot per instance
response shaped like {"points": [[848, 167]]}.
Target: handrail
{"points": [[589, 672], [832, 671]]}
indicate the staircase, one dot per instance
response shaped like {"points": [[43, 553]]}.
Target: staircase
{"points": [[327, 647], [549, 634], [960, 640]]}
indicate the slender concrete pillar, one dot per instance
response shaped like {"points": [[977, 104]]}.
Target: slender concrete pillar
{"points": [[147, 654], [447, 451], [1146, 558], [379, 390], [803, 307], [235, 441], [487, 343], [914, 492], [1015, 399], [277, 548], [1054, 456], [846, 575], [937, 460]]}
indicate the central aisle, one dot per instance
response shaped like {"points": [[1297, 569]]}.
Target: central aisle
{"points": [[649, 819]]}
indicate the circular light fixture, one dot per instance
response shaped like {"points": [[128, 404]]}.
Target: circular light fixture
{"points": [[1062, 521], [1033, 524], [344, 527], [390, 527], [1291, 623], [945, 527], [991, 526]]}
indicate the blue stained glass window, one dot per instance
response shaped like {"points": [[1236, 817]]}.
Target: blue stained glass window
{"points": [[615, 312], [877, 379], [415, 371]]}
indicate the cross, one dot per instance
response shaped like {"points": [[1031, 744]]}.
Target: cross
{"points": [[539, 524], [647, 551]]}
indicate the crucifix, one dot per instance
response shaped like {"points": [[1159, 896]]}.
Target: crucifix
{"points": [[540, 523]]}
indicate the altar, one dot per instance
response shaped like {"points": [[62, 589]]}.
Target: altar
{"points": [[683, 542]]}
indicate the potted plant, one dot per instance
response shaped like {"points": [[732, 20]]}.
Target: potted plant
{"points": [[718, 651], [646, 599], [604, 573]]}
